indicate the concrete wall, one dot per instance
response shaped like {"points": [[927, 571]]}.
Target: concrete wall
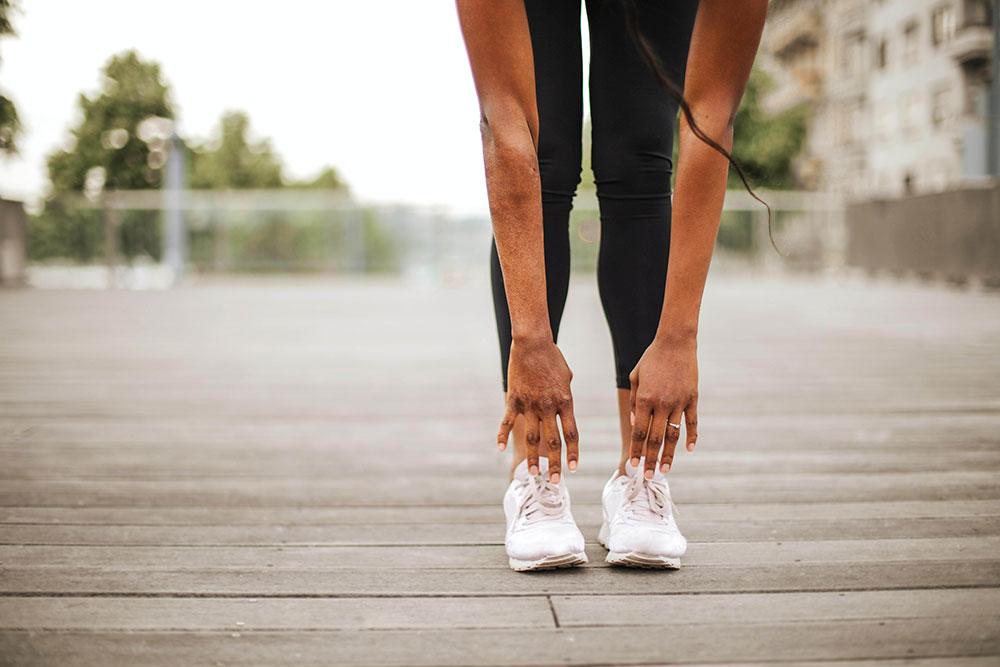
{"points": [[13, 242], [954, 234]]}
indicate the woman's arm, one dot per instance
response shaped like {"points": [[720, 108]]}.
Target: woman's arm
{"points": [[499, 47], [665, 381]]}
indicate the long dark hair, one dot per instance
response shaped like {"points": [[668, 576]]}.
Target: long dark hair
{"points": [[676, 92]]}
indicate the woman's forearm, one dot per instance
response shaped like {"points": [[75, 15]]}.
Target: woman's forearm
{"points": [[514, 189], [717, 71], [498, 42], [697, 208]]}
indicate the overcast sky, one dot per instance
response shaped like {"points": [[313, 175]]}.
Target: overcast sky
{"points": [[379, 88]]}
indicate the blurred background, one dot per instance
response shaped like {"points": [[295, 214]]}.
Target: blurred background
{"points": [[164, 144]]}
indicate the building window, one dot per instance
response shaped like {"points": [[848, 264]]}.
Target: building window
{"points": [[940, 107], [978, 12], [942, 25], [911, 43], [882, 53]]}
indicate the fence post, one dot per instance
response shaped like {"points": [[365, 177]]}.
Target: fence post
{"points": [[174, 230]]}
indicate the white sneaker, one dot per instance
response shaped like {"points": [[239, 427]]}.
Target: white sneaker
{"points": [[639, 528], [541, 533]]}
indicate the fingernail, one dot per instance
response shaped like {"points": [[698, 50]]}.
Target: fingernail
{"points": [[533, 470], [554, 478], [631, 418], [664, 468], [649, 474], [690, 446], [634, 461], [572, 466], [501, 446]]}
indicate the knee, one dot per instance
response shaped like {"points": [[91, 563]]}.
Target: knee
{"points": [[634, 164], [559, 165]]}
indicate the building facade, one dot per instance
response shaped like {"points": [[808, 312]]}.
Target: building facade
{"points": [[898, 90]]}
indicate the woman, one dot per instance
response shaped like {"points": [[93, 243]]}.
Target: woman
{"points": [[526, 63]]}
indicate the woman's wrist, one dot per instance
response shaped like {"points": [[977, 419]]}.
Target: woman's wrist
{"points": [[534, 336], [677, 335]]}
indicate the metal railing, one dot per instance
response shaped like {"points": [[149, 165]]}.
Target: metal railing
{"points": [[296, 230]]}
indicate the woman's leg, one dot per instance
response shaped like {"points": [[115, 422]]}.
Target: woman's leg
{"points": [[633, 131], [555, 41]]}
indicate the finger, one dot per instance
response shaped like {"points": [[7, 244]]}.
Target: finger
{"points": [[633, 380], [553, 446], [654, 441], [571, 436], [670, 442], [640, 430], [531, 438], [691, 423], [506, 426]]}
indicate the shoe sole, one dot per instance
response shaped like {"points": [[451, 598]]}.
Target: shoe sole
{"points": [[548, 563], [641, 560], [636, 558]]}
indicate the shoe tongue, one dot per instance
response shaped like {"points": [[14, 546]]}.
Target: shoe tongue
{"points": [[521, 471]]}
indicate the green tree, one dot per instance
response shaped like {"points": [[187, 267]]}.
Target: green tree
{"points": [[766, 144], [10, 122], [119, 143], [233, 160], [327, 179]]}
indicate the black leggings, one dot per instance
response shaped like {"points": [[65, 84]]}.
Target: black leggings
{"points": [[633, 130]]}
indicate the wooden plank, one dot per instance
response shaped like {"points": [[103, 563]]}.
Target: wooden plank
{"points": [[640, 610], [692, 513], [261, 580], [487, 533], [962, 636], [199, 432], [242, 614], [166, 462], [950, 661], [449, 490], [478, 556]]}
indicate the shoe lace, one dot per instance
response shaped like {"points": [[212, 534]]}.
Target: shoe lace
{"points": [[648, 499], [543, 500]]}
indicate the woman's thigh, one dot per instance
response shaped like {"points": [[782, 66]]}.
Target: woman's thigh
{"points": [[633, 117], [556, 45]]}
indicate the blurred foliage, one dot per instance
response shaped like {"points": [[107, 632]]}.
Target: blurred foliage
{"points": [[10, 126], [58, 231], [120, 143], [766, 144], [326, 179], [262, 241], [10, 122], [232, 160], [106, 145]]}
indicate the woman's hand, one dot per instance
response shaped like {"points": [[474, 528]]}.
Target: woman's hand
{"points": [[664, 387], [538, 387]]}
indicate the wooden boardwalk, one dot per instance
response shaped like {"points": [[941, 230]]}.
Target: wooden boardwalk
{"points": [[302, 472]]}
